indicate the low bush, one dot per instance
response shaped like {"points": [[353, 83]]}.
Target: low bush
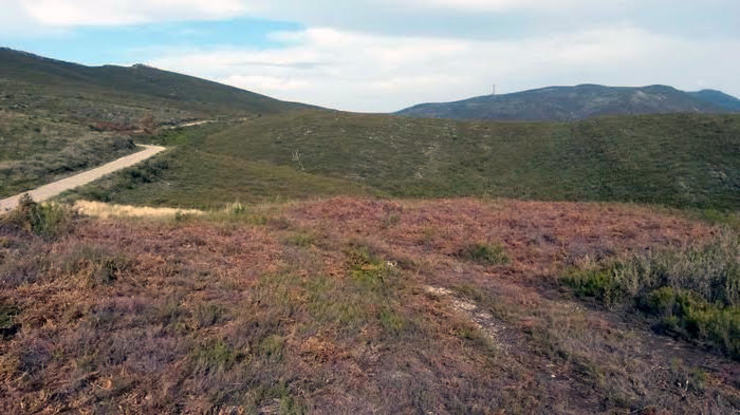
{"points": [[48, 220], [369, 270], [237, 209], [600, 284], [96, 266], [695, 291], [8, 324], [214, 356], [485, 254], [686, 314]]}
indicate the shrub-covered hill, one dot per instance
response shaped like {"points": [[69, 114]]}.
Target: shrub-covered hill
{"points": [[23, 74], [676, 160]]}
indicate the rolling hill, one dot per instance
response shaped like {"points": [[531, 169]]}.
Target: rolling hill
{"points": [[57, 118], [264, 149], [579, 102], [138, 85], [675, 159]]}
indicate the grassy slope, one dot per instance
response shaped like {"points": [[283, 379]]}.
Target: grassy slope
{"points": [[190, 176], [141, 85], [676, 160], [49, 108], [36, 150]]}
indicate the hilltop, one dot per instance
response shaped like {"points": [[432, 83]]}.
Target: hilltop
{"points": [[579, 102], [138, 86]]}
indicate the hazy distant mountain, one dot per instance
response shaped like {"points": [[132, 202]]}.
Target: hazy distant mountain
{"points": [[579, 102], [718, 98]]}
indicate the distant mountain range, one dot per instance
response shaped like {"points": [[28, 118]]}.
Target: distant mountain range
{"points": [[579, 102], [144, 86]]}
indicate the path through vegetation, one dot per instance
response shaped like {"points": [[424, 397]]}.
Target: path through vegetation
{"points": [[55, 188]]}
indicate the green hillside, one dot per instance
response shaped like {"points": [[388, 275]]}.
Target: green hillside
{"points": [[138, 85], [675, 160], [61, 117], [57, 118]]}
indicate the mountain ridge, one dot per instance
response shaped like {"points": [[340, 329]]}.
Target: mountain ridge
{"points": [[571, 103], [136, 82]]}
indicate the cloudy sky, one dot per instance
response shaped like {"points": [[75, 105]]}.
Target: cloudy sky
{"points": [[384, 55]]}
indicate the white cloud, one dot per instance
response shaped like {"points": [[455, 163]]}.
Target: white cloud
{"points": [[363, 72], [353, 57], [315, 12], [121, 12], [504, 5]]}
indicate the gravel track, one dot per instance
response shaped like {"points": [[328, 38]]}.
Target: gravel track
{"points": [[50, 190]]}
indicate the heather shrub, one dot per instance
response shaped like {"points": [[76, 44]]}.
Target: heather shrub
{"points": [[96, 266]]}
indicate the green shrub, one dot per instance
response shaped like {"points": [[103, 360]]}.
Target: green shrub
{"points": [[694, 291], [8, 324], [214, 356], [47, 220], [485, 254], [597, 284], [710, 270], [271, 347], [238, 209], [686, 314], [368, 270]]}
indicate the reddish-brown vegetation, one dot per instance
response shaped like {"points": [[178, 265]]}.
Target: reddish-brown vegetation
{"points": [[343, 305], [103, 126]]}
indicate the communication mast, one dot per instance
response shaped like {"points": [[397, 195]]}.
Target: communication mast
{"points": [[494, 90]]}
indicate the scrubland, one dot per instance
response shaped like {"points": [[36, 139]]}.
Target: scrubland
{"points": [[368, 305], [683, 161]]}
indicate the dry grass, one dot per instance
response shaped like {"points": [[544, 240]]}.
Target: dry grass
{"points": [[325, 307], [107, 211]]}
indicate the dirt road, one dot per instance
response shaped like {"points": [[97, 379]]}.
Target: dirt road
{"points": [[53, 189]]}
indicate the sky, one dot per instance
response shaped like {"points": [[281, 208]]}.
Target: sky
{"points": [[385, 55]]}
